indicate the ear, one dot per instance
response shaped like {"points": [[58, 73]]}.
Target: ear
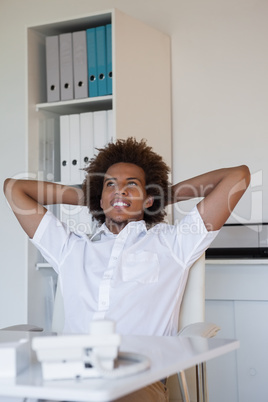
{"points": [[149, 201], [101, 203]]}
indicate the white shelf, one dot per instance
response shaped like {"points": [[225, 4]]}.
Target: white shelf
{"points": [[43, 265], [77, 105], [75, 24], [237, 261]]}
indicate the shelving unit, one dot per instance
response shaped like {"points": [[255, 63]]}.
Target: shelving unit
{"points": [[141, 100]]}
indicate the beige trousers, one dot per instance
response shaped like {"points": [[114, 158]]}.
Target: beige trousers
{"points": [[156, 392]]}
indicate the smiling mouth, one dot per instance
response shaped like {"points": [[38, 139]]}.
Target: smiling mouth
{"points": [[120, 204]]}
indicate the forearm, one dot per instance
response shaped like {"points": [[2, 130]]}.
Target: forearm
{"points": [[28, 197], [204, 184], [221, 190], [44, 193]]}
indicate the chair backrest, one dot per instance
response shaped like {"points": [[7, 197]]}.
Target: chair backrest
{"points": [[192, 311], [58, 312], [193, 302]]}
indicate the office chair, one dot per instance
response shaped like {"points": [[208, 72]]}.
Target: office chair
{"points": [[191, 385], [191, 323]]}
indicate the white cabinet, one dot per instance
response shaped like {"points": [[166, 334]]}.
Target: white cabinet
{"points": [[237, 300], [141, 100]]}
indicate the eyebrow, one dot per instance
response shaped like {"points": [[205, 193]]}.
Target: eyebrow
{"points": [[128, 178]]}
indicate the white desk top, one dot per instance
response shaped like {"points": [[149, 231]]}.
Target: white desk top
{"points": [[168, 355]]}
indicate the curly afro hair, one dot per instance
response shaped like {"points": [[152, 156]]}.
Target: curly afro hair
{"points": [[128, 151]]}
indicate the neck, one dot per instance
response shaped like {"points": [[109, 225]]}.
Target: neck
{"points": [[115, 227]]}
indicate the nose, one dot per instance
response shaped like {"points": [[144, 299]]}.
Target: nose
{"points": [[121, 190]]}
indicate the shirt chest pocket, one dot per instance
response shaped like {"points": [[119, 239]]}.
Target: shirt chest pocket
{"points": [[142, 267]]}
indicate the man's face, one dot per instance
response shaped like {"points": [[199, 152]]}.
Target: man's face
{"points": [[124, 196]]}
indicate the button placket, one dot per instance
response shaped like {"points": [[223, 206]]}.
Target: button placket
{"points": [[105, 284]]}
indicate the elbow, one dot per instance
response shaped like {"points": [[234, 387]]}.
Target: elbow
{"points": [[244, 176], [5, 186], [8, 188]]}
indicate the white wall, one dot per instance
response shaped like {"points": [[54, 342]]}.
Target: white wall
{"points": [[220, 99]]}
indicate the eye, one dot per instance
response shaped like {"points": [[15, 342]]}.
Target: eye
{"points": [[110, 184], [132, 183]]}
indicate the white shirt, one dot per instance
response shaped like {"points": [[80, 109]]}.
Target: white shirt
{"points": [[135, 278]]}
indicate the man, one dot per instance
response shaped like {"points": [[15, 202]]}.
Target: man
{"points": [[134, 269]]}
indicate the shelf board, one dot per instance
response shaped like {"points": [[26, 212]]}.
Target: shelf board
{"points": [[75, 24], [43, 265], [77, 105], [237, 261]]}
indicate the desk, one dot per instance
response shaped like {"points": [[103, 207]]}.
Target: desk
{"points": [[237, 300], [168, 355]]}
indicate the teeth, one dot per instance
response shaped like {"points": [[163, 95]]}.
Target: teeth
{"points": [[120, 204]]}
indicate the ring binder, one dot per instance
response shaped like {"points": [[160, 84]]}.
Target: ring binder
{"points": [[66, 66], [101, 60], [80, 65], [52, 68], [92, 62]]}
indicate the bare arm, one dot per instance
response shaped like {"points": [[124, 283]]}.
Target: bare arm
{"points": [[27, 197], [221, 189]]}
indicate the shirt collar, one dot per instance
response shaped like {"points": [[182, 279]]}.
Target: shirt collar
{"points": [[139, 226]]}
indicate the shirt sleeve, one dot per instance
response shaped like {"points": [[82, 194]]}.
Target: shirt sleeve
{"points": [[191, 238], [52, 238]]}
